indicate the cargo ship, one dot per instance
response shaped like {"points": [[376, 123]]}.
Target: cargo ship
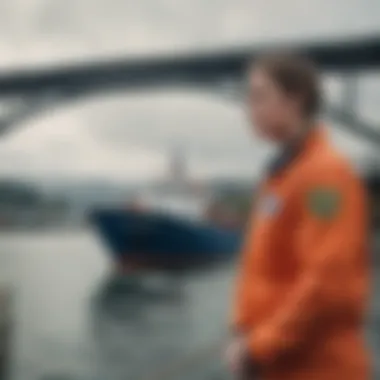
{"points": [[173, 227]]}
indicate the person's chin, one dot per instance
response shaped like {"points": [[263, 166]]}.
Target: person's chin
{"points": [[263, 134], [271, 138]]}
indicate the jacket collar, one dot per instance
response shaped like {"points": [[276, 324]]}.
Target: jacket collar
{"points": [[290, 152]]}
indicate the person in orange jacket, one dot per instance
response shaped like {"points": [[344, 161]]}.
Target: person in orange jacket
{"points": [[303, 282]]}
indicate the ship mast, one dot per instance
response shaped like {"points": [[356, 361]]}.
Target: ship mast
{"points": [[177, 166], [178, 175]]}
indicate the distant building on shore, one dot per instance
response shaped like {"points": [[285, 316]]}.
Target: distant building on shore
{"points": [[24, 205]]}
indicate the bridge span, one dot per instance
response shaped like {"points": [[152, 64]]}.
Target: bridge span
{"points": [[29, 92]]}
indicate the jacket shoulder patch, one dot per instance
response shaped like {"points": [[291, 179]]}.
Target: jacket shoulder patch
{"points": [[324, 202]]}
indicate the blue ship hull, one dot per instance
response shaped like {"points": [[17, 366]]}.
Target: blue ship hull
{"points": [[160, 241]]}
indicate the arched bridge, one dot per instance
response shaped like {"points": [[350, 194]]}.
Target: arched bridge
{"points": [[27, 92]]}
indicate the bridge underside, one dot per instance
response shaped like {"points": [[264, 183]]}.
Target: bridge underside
{"points": [[345, 114], [28, 93]]}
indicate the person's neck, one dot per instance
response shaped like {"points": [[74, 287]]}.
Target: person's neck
{"points": [[298, 134]]}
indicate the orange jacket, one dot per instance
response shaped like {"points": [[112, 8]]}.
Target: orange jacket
{"points": [[303, 281]]}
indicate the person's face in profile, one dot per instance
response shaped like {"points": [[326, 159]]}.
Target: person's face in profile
{"points": [[271, 111]]}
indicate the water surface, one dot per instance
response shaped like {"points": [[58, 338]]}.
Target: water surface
{"points": [[73, 320]]}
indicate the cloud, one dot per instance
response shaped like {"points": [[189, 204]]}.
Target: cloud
{"points": [[61, 146], [43, 31], [131, 138]]}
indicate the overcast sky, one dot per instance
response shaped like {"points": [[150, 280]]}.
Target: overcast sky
{"points": [[126, 137]]}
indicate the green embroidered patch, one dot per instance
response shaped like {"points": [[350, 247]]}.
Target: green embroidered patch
{"points": [[324, 203]]}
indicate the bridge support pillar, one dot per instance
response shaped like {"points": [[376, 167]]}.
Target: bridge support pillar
{"points": [[350, 95]]}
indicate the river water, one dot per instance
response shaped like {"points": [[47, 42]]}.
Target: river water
{"points": [[74, 320]]}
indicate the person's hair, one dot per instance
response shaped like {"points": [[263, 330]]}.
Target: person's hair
{"points": [[295, 75]]}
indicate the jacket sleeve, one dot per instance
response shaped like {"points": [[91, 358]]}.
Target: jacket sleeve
{"points": [[330, 242], [241, 312]]}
